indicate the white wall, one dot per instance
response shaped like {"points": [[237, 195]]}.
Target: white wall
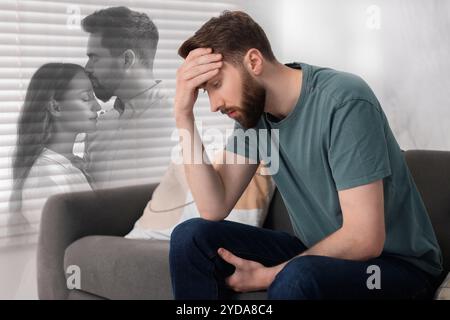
{"points": [[400, 47], [268, 14]]}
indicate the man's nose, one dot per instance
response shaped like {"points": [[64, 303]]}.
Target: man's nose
{"points": [[216, 104], [215, 108], [88, 66]]}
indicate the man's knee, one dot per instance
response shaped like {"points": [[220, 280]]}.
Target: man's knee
{"points": [[191, 232], [299, 280]]}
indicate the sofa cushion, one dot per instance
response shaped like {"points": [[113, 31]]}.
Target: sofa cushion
{"points": [[81, 295], [443, 292], [172, 203], [431, 173], [278, 216], [118, 268]]}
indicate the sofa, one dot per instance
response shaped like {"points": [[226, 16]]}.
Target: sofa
{"points": [[86, 229]]}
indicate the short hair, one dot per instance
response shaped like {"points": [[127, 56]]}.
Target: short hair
{"points": [[232, 34], [122, 29]]}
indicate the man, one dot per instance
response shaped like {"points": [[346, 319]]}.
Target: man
{"points": [[121, 49], [351, 199]]}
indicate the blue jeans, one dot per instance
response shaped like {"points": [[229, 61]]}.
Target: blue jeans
{"points": [[198, 272]]}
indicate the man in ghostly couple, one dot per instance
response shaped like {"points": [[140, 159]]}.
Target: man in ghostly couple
{"points": [[121, 49]]}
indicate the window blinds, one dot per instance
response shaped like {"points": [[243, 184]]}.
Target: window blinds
{"points": [[34, 32]]}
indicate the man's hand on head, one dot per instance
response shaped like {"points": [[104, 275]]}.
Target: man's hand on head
{"points": [[200, 66]]}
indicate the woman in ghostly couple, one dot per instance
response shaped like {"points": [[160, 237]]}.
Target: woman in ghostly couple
{"points": [[59, 104]]}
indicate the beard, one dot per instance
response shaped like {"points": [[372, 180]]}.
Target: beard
{"points": [[101, 92], [253, 102]]}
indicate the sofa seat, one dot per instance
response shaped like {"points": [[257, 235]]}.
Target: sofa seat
{"points": [[119, 268]]}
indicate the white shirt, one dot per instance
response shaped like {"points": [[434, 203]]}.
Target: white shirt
{"points": [[52, 173]]}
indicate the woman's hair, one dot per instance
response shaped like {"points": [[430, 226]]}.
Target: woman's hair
{"points": [[35, 124]]}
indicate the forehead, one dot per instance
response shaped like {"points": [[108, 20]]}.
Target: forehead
{"points": [[94, 45], [227, 72], [80, 82]]}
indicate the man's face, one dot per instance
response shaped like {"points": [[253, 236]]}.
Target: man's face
{"points": [[103, 69], [234, 92]]}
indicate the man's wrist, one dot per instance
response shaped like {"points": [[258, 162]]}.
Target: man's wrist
{"points": [[273, 271], [184, 119]]}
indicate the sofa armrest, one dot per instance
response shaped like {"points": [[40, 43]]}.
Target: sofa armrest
{"points": [[69, 217]]}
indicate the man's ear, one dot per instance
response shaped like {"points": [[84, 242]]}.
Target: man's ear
{"points": [[254, 60], [54, 108], [129, 58]]}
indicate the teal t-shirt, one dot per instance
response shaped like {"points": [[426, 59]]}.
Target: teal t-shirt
{"points": [[337, 137]]}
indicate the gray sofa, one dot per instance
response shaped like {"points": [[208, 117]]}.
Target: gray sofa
{"points": [[87, 229]]}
